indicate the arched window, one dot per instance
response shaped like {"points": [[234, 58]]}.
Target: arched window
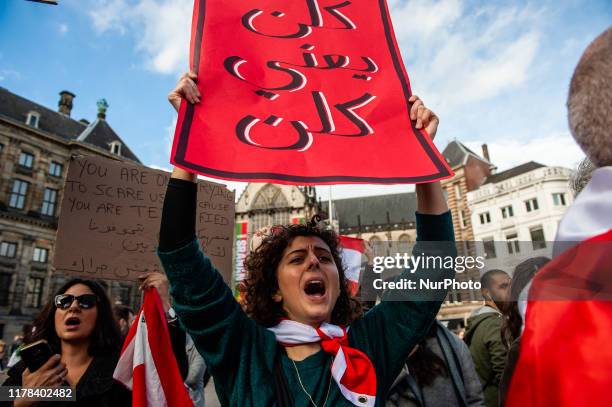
{"points": [[404, 243], [377, 246]]}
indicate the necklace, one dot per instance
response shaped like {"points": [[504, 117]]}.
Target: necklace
{"points": [[304, 390]]}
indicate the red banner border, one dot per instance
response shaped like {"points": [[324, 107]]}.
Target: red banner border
{"points": [[422, 136]]}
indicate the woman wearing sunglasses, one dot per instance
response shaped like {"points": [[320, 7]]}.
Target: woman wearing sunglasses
{"points": [[79, 326]]}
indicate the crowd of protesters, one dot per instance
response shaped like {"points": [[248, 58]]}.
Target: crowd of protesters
{"points": [[277, 348]]}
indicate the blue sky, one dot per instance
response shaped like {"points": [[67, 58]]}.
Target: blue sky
{"points": [[494, 71]]}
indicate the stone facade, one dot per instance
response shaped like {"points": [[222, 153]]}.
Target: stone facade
{"points": [[36, 144], [521, 207]]}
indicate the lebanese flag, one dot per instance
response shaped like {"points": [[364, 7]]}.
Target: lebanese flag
{"points": [[147, 365], [565, 356], [352, 249]]}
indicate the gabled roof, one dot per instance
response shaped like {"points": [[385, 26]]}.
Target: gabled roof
{"points": [[513, 172], [372, 210], [99, 133], [17, 108], [457, 153]]}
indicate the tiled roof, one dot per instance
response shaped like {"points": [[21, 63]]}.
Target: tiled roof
{"points": [[99, 133], [513, 172], [373, 210]]}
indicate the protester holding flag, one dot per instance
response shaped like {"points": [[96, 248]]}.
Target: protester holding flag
{"points": [[296, 348], [190, 363], [79, 327]]}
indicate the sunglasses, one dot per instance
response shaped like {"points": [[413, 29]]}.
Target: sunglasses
{"points": [[85, 301]]}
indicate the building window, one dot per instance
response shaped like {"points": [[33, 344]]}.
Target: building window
{"points": [[513, 243], [8, 249], [485, 218], [26, 160], [559, 199], [18, 194], [33, 119], [489, 248], [531, 205], [55, 169], [537, 238], [457, 191], [404, 243], [507, 212], [49, 202], [377, 246], [41, 255], [125, 294], [115, 147], [34, 292], [5, 285], [462, 219]]}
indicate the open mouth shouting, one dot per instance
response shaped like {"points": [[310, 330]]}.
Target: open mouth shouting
{"points": [[72, 323], [315, 288]]}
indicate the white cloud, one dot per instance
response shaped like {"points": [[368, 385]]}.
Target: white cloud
{"points": [[161, 28], [9, 73], [109, 15], [559, 150], [457, 53], [63, 29]]}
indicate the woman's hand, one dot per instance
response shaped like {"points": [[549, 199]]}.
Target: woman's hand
{"points": [[425, 118], [187, 89], [51, 374], [430, 199], [160, 282]]}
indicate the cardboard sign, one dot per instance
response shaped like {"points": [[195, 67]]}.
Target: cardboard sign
{"points": [[301, 92], [110, 218]]}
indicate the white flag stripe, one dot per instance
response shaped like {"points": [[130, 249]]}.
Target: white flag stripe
{"points": [[352, 262], [143, 355]]}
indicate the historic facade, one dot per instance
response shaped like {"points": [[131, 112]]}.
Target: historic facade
{"points": [[36, 144], [522, 207], [377, 219]]}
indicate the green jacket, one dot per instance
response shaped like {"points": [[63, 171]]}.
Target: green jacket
{"points": [[240, 354], [483, 336]]}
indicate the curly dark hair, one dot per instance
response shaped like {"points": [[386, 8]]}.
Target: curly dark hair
{"points": [[105, 337], [262, 280]]}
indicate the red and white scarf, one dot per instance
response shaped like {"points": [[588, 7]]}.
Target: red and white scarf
{"points": [[351, 369]]}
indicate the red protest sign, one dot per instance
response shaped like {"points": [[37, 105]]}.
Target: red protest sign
{"points": [[301, 92]]}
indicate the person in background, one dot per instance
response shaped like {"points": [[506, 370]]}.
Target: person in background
{"points": [[438, 373], [513, 322], [2, 354], [483, 333], [190, 362], [79, 327], [16, 345], [125, 317]]}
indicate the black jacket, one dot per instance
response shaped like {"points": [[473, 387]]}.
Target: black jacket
{"points": [[96, 388]]}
